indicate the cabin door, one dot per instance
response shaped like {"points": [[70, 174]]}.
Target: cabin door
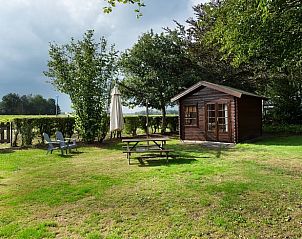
{"points": [[218, 121]]}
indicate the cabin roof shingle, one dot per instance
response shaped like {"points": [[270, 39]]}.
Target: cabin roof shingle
{"points": [[225, 89]]}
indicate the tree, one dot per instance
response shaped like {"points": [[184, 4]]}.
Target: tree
{"points": [[286, 99], [11, 104], [157, 67], [267, 36], [53, 107], [212, 66], [112, 3], [84, 70], [266, 31]]}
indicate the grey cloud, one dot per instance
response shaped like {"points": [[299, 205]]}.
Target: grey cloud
{"points": [[27, 27]]}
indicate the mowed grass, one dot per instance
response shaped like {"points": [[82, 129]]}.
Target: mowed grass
{"points": [[250, 191]]}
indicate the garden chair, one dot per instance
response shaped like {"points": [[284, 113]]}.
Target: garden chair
{"points": [[51, 144], [65, 142]]}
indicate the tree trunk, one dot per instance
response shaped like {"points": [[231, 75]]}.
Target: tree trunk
{"points": [[164, 120]]}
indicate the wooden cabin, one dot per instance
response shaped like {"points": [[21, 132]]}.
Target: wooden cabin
{"points": [[211, 112]]}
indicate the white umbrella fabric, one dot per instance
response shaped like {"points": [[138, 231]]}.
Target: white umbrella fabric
{"points": [[116, 113]]}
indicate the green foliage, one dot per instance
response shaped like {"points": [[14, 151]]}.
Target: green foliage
{"points": [[212, 66], [266, 31], [155, 69], [29, 128], [26, 131], [286, 99], [133, 123], [283, 129], [172, 123], [10, 118], [261, 39], [84, 70], [112, 3], [155, 122], [104, 128], [13, 104], [142, 123]]}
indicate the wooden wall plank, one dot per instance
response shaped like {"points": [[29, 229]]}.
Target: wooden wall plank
{"points": [[199, 98]]}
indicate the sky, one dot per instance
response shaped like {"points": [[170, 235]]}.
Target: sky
{"points": [[28, 26]]}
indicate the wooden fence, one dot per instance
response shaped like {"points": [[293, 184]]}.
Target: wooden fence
{"points": [[5, 133]]}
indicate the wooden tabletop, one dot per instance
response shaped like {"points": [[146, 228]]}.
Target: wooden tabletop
{"points": [[145, 139]]}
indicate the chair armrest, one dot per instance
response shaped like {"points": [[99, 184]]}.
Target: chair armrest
{"points": [[70, 139], [59, 141], [53, 142]]}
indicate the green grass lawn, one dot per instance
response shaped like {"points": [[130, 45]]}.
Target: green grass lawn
{"points": [[250, 191]]}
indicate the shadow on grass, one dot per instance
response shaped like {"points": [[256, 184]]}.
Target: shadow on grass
{"points": [[6, 151], [155, 161], [68, 155], [115, 144], [295, 140]]}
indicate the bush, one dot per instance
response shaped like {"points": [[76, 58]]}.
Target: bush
{"points": [[172, 123], [155, 123], [133, 123], [283, 129], [104, 128], [28, 128]]}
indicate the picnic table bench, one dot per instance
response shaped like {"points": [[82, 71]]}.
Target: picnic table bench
{"points": [[146, 145]]}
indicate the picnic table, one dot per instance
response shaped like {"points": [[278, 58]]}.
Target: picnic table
{"points": [[146, 145]]}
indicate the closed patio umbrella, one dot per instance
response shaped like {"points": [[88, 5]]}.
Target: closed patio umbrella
{"points": [[116, 113]]}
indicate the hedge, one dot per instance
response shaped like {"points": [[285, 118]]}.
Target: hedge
{"points": [[133, 123], [283, 129], [28, 128]]}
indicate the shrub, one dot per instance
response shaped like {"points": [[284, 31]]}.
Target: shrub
{"points": [[283, 129], [155, 123], [104, 128], [131, 125], [28, 128], [172, 123]]}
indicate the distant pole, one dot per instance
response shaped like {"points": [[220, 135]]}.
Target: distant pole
{"points": [[57, 103]]}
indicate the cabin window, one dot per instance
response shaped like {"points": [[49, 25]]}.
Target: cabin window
{"points": [[222, 117], [211, 110], [217, 117], [191, 115]]}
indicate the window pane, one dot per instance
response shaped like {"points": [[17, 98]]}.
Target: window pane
{"points": [[211, 107], [217, 120], [221, 120], [222, 128], [211, 113], [221, 113], [211, 126], [211, 120], [191, 115], [220, 106]]}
